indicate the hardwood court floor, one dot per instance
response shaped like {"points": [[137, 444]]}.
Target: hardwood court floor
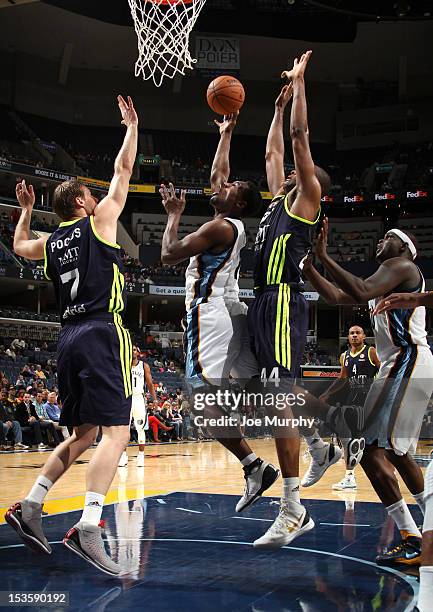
{"points": [[199, 467]]}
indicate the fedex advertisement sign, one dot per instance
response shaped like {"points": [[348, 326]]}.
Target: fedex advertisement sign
{"points": [[416, 194], [355, 198], [384, 196]]}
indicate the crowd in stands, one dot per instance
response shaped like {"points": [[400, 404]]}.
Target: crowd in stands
{"points": [[189, 155], [315, 356], [30, 410], [8, 221], [29, 403], [135, 271]]}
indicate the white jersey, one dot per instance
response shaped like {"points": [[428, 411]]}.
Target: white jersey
{"points": [[398, 329], [138, 379], [210, 276]]}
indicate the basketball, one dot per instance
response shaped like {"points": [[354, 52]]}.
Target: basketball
{"points": [[225, 95]]}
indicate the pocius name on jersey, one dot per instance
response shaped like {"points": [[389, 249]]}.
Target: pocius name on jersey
{"points": [[61, 244]]}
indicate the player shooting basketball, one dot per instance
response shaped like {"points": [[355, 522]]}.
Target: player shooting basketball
{"points": [[216, 340]]}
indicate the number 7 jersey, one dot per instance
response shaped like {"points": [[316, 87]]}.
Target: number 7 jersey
{"points": [[85, 269]]}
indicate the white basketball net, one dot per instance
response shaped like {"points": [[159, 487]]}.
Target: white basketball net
{"points": [[163, 31]]}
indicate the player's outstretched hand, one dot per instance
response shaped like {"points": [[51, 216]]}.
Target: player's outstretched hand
{"points": [[284, 96], [228, 123], [299, 67], [127, 110], [25, 195], [322, 240], [171, 203], [397, 300]]}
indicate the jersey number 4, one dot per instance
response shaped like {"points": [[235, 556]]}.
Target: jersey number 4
{"points": [[72, 275]]}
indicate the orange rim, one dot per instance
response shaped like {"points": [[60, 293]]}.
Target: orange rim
{"points": [[171, 2]]}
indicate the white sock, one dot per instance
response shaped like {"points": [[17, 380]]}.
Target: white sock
{"points": [[425, 596], [419, 498], [291, 490], [249, 459], [93, 506], [39, 490], [350, 473], [402, 517], [314, 442]]}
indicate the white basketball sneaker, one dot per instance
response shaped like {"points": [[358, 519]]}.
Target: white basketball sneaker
{"points": [[321, 460], [123, 461], [348, 482], [259, 476], [292, 521], [140, 459]]}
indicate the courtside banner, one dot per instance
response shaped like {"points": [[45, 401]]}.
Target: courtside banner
{"points": [[311, 371], [26, 170], [104, 185], [416, 194], [244, 294]]}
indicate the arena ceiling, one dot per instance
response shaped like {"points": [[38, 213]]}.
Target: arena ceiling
{"points": [[327, 20], [83, 31]]}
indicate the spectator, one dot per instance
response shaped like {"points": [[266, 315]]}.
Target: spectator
{"points": [[11, 354], [20, 382], [53, 412], [168, 419], [39, 373], [39, 405], [9, 423], [165, 346], [176, 418], [25, 414], [11, 399], [18, 345], [161, 388], [27, 373], [186, 416], [171, 368], [155, 424]]}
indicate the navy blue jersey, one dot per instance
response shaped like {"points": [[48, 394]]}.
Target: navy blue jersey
{"points": [[86, 271], [360, 370], [282, 243]]}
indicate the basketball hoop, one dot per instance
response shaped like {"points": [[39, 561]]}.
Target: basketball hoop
{"points": [[163, 28]]}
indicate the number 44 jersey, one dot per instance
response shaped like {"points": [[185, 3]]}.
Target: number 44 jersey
{"points": [[85, 269]]}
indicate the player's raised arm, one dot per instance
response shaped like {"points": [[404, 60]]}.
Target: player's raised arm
{"points": [[109, 209], [220, 170], [390, 274], [24, 246], [275, 143], [330, 293], [215, 234], [309, 189]]}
